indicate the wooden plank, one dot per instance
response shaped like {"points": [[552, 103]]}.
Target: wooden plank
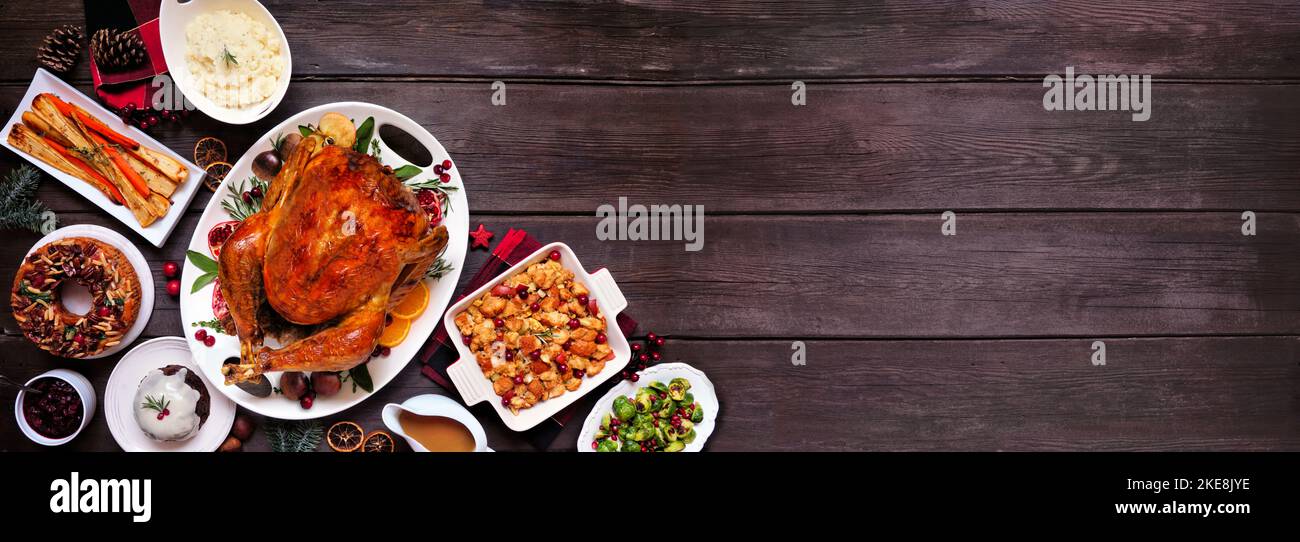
{"points": [[853, 148], [1190, 393], [734, 39], [889, 276]]}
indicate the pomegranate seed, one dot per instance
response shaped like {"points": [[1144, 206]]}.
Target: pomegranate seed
{"points": [[574, 323], [643, 448], [594, 445], [601, 338], [201, 334], [663, 396], [209, 341], [677, 419], [656, 422], [614, 421], [555, 255], [499, 323], [446, 164]]}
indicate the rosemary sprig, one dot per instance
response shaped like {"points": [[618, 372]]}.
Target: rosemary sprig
{"points": [[228, 58], [234, 203], [159, 404], [439, 268], [442, 190]]}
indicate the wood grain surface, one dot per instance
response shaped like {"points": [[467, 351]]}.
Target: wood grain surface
{"points": [[823, 221]]}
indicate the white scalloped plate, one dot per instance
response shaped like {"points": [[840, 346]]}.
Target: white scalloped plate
{"points": [[701, 388], [119, 400]]}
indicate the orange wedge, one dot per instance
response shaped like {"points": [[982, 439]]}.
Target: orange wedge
{"points": [[414, 302], [395, 332]]}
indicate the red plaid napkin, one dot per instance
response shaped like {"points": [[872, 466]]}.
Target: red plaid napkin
{"points": [[116, 89], [439, 353]]}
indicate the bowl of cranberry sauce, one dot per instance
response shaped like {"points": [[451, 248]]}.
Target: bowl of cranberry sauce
{"points": [[62, 409]]}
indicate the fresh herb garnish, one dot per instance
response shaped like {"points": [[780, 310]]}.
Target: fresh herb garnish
{"points": [[443, 190], [439, 268], [360, 378], [364, 133], [234, 203], [406, 172], [158, 405], [205, 264], [228, 58], [307, 130], [374, 149], [213, 324]]}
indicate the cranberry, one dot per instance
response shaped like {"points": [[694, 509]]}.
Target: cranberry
{"points": [[579, 373], [201, 334], [643, 358], [625, 375], [209, 341], [376, 352], [521, 290], [170, 269], [499, 323], [535, 355], [636, 347], [656, 356], [519, 379], [554, 256], [129, 108], [635, 377], [444, 178], [505, 401], [386, 351], [104, 312], [247, 197], [659, 342], [306, 401], [582, 298], [437, 169], [601, 338], [446, 164], [79, 339], [174, 287], [256, 192], [166, 412], [574, 323], [510, 355], [465, 339], [561, 357], [650, 337], [534, 307], [643, 448], [160, 416], [564, 368], [594, 445]]}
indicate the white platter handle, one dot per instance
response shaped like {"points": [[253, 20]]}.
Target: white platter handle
{"points": [[470, 382], [607, 292]]}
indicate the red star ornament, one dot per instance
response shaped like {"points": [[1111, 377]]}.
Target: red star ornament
{"points": [[482, 237]]}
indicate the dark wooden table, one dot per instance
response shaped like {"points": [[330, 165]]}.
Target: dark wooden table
{"points": [[823, 221]]}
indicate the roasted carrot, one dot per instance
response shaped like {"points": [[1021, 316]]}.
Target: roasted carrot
{"points": [[136, 180], [114, 193], [98, 126]]}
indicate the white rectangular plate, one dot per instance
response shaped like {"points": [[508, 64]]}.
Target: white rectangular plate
{"points": [[157, 232]]}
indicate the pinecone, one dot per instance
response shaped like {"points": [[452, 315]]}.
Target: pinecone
{"points": [[117, 50], [62, 48]]}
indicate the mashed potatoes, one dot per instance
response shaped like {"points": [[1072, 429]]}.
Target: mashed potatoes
{"points": [[235, 61]]}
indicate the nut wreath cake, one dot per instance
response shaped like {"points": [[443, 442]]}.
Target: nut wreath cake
{"points": [[101, 269]]}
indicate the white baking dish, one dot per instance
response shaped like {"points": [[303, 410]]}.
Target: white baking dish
{"points": [[475, 388]]}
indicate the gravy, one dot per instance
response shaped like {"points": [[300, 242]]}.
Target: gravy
{"points": [[437, 433]]}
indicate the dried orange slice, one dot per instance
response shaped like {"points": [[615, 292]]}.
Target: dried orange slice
{"points": [[209, 150], [214, 173], [379, 441], [395, 332], [345, 437], [414, 302]]}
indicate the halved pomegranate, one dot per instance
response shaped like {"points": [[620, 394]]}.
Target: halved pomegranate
{"points": [[219, 307], [431, 202], [218, 235]]}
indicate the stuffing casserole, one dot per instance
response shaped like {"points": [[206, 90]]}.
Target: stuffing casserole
{"points": [[536, 334]]}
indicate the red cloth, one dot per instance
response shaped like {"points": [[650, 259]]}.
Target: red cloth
{"points": [[135, 86], [439, 353]]}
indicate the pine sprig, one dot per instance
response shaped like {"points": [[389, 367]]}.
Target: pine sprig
{"points": [[297, 436], [19, 209]]}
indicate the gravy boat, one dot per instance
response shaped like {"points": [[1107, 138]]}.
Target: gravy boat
{"points": [[434, 405]]}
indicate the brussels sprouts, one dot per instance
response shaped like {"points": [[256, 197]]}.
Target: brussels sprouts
{"points": [[697, 413], [623, 408], [686, 400], [601, 433], [631, 446], [604, 422], [625, 432], [607, 446], [675, 446], [643, 433], [666, 411], [688, 436], [677, 388], [687, 425], [670, 434], [658, 386], [645, 401]]}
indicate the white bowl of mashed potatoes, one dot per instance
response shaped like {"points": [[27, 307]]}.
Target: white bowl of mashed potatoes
{"points": [[228, 57]]}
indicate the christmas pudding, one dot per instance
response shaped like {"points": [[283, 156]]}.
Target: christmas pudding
{"points": [[95, 265], [171, 404]]}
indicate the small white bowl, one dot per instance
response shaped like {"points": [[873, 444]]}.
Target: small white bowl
{"points": [[175, 15], [84, 390]]}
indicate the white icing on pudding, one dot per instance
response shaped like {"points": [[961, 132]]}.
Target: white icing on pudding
{"points": [[159, 391]]}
